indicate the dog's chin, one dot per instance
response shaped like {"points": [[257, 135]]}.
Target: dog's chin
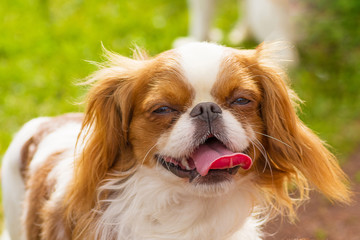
{"points": [[216, 182]]}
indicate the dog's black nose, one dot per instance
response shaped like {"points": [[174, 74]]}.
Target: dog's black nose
{"points": [[206, 111]]}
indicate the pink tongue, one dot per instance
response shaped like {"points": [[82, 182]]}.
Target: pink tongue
{"points": [[214, 155]]}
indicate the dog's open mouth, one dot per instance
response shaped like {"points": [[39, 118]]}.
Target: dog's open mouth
{"points": [[209, 158]]}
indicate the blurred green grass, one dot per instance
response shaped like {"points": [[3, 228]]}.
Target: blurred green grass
{"points": [[44, 45], [328, 76]]}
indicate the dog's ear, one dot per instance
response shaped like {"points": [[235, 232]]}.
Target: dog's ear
{"points": [[295, 154], [104, 136]]}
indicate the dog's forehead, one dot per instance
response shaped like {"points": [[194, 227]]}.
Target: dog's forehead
{"points": [[201, 64]]}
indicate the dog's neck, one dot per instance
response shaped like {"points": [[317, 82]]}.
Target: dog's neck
{"points": [[150, 206]]}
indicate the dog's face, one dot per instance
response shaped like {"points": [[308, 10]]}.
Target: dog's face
{"points": [[204, 115], [199, 115]]}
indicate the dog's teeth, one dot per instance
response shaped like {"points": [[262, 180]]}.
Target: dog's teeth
{"points": [[185, 163]]}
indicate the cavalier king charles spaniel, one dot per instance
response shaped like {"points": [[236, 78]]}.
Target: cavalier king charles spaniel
{"points": [[199, 142]]}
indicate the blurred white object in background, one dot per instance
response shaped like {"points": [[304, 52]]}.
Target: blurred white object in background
{"points": [[262, 20]]}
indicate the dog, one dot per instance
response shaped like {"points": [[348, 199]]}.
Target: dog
{"points": [[261, 20], [199, 142]]}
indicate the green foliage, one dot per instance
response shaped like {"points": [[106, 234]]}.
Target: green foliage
{"points": [[44, 45], [328, 77]]}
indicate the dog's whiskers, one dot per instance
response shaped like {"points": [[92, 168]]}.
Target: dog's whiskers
{"points": [[166, 163], [262, 150], [254, 149], [142, 163], [274, 138]]}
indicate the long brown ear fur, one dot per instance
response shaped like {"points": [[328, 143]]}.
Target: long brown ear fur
{"points": [[296, 155], [103, 138]]}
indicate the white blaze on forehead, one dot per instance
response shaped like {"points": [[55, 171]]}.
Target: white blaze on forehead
{"points": [[201, 63]]}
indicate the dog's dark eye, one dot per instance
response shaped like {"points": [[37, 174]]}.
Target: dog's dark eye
{"points": [[241, 101], [163, 110]]}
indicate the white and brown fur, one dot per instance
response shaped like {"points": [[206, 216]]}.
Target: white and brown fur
{"points": [[95, 176]]}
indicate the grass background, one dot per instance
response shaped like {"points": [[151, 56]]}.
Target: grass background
{"points": [[44, 45]]}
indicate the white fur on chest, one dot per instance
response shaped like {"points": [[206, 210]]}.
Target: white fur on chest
{"points": [[149, 206]]}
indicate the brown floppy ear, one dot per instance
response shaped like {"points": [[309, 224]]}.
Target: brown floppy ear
{"points": [[296, 155], [104, 135]]}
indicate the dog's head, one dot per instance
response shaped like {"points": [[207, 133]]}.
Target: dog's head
{"points": [[203, 115]]}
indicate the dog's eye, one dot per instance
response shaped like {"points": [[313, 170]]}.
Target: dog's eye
{"points": [[241, 101], [163, 110]]}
